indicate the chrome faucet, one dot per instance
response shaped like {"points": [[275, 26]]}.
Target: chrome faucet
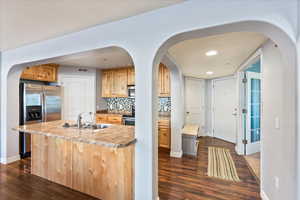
{"points": [[79, 119]]}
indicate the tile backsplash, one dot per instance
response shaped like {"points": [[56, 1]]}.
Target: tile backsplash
{"points": [[124, 105]]}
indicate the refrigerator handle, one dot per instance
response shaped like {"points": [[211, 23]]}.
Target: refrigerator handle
{"points": [[43, 107]]}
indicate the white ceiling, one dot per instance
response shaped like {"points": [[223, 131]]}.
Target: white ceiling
{"points": [[106, 58], [27, 21], [233, 49]]}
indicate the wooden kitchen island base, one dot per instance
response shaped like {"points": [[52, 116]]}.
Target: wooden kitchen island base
{"points": [[100, 171]]}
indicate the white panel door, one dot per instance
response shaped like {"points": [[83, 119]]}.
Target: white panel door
{"points": [[194, 102], [78, 96], [224, 109]]}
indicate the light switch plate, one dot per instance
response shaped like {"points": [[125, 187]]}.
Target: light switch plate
{"points": [[277, 123], [276, 181]]}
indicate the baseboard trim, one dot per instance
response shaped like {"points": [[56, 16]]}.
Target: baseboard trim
{"points": [[208, 134], [9, 159], [176, 154], [263, 195]]}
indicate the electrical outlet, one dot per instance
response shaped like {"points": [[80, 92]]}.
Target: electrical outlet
{"points": [[276, 182]]}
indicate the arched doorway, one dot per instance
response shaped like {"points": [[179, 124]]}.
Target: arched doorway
{"points": [[287, 110]]}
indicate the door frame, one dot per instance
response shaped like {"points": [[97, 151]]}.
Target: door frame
{"points": [[213, 104], [240, 147]]}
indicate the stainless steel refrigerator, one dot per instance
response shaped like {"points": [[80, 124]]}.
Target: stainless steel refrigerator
{"points": [[38, 103]]}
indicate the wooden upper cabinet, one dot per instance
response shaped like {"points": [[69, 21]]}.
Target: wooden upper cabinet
{"points": [[130, 76], [163, 81], [120, 83], [28, 73], [46, 72], [107, 81], [114, 83]]}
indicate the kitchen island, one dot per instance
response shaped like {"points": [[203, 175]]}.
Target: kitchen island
{"points": [[97, 162]]}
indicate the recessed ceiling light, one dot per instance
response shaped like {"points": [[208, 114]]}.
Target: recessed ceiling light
{"points": [[209, 73], [211, 53]]}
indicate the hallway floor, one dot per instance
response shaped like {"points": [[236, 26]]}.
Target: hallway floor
{"points": [[185, 178], [253, 161]]}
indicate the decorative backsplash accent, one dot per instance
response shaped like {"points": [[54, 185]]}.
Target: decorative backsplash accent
{"points": [[164, 104], [124, 105]]}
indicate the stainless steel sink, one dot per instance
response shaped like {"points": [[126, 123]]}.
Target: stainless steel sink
{"points": [[87, 126], [99, 126]]}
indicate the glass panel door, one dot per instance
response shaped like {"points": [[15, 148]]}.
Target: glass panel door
{"points": [[255, 109], [253, 116]]}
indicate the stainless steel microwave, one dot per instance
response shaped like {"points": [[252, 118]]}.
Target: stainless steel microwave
{"points": [[131, 91]]}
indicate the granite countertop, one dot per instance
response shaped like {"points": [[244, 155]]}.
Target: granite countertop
{"points": [[115, 136], [190, 130]]}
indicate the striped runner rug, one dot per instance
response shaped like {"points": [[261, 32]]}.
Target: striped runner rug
{"points": [[221, 165]]}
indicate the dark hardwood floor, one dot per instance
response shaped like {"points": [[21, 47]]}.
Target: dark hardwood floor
{"points": [[16, 183], [183, 179], [186, 178]]}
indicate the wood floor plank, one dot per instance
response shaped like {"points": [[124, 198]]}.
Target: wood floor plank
{"points": [[253, 162]]}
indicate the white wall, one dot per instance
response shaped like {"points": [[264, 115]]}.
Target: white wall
{"points": [[208, 107], [177, 105], [12, 138], [100, 102], [277, 145], [1, 142], [75, 70]]}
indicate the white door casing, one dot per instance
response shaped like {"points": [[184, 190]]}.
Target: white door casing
{"points": [[195, 102], [224, 108], [242, 100], [79, 95]]}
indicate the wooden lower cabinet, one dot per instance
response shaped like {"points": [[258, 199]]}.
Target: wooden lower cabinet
{"points": [[51, 159], [164, 133], [109, 119], [103, 172]]}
